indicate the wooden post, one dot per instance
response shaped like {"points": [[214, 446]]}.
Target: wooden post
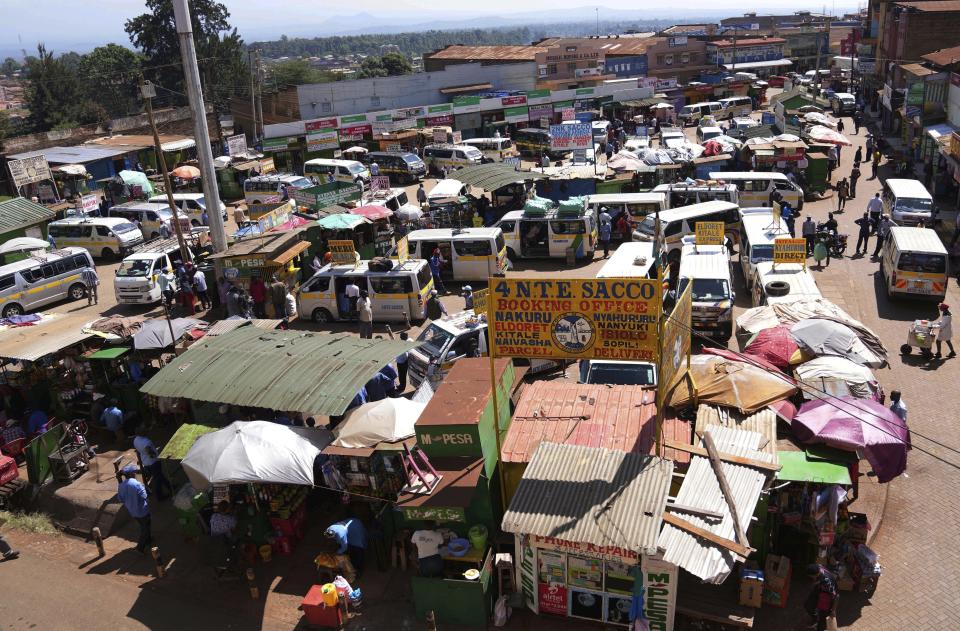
{"points": [[254, 590], [431, 621], [724, 487], [98, 539], [155, 553]]}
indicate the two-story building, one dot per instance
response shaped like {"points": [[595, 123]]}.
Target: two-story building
{"points": [[761, 55], [568, 63]]}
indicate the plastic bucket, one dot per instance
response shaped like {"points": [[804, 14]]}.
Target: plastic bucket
{"points": [[478, 537]]}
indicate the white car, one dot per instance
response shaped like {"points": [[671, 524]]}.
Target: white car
{"points": [[618, 373]]}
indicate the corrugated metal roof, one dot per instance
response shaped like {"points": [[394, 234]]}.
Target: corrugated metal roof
{"points": [[932, 5], [492, 176], [20, 212], [49, 335], [763, 422], [499, 53], [610, 417], [943, 57], [73, 155], [757, 41], [700, 489], [595, 496], [304, 371], [225, 326]]}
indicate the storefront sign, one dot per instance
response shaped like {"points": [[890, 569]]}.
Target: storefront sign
{"points": [[276, 217], [465, 104], [552, 598], [439, 514], [394, 147], [446, 438], [403, 250], [584, 91], [29, 170], [480, 298], [379, 183], [538, 96], [527, 571], [541, 111], [666, 84], [709, 232], [353, 119], [443, 119], [660, 593], [571, 136], [320, 123], [343, 251], [244, 263], [278, 144], [323, 195], [355, 132], [915, 93], [516, 114], [319, 140], [87, 204], [582, 319], [675, 350], [615, 553], [790, 251], [236, 145], [513, 100]]}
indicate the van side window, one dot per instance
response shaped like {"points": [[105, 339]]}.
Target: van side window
{"points": [[568, 227], [103, 231], [47, 271], [320, 283], [59, 267], [673, 228], [8, 281], [783, 185], [391, 285], [508, 226], [80, 261], [472, 248], [32, 275], [755, 185]]}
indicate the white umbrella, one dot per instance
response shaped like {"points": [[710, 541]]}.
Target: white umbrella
{"points": [[408, 213], [817, 118], [386, 420], [255, 451], [787, 138], [21, 244], [825, 134], [661, 106], [355, 150]]}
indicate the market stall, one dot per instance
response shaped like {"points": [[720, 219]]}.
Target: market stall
{"points": [[381, 230], [343, 226], [274, 253]]}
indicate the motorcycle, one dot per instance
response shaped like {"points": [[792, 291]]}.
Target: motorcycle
{"points": [[835, 242]]}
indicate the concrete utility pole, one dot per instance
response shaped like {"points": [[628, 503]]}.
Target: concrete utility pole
{"points": [[191, 71], [253, 98], [260, 95]]}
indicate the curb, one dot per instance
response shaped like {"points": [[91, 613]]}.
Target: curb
{"points": [[883, 509]]}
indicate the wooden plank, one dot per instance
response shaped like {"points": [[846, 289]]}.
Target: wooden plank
{"points": [[709, 514], [697, 531], [699, 451], [717, 466]]}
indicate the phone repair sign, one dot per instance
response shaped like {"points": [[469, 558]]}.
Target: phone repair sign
{"points": [[609, 318]]}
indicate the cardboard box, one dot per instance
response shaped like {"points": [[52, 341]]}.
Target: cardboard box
{"points": [[777, 571], [776, 597], [751, 592]]}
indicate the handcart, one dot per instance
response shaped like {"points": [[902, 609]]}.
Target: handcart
{"points": [[920, 334]]}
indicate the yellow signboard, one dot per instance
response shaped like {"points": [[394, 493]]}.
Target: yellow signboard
{"points": [[608, 318], [343, 252], [480, 298], [790, 251], [403, 250], [709, 232], [676, 343]]}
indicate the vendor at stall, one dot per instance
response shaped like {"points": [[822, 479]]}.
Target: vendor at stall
{"points": [[428, 542], [351, 538], [222, 522]]}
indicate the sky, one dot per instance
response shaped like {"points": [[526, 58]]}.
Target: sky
{"points": [[70, 24]]}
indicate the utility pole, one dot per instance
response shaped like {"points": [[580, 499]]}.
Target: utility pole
{"points": [[253, 98], [734, 60], [148, 92], [191, 72], [260, 93]]}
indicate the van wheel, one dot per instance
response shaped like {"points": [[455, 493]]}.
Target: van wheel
{"points": [[777, 288], [77, 291], [107, 254], [12, 309], [322, 316]]}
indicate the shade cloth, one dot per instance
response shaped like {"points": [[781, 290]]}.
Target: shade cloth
{"points": [[859, 379], [821, 133], [156, 333], [186, 172], [735, 384], [341, 221], [21, 244], [830, 337], [372, 212]]}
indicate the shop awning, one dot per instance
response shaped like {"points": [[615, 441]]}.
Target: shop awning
{"points": [[178, 145], [372, 212], [647, 102], [20, 212], [796, 466], [47, 336], [770, 63], [938, 131], [222, 327], [290, 254], [493, 176], [458, 484], [600, 497], [316, 373]]}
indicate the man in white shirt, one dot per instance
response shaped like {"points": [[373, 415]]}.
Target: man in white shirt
{"points": [[200, 286], [353, 294], [150, 459], [875, 209], [428, 542], [898, 407]]}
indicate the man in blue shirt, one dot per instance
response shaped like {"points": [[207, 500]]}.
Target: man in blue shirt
{"points": [[382, 385], [37, 422], [134, 497], [112, 417], [436, 262], [351, 538]]}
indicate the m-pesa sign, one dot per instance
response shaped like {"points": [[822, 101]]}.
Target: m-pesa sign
{"points": [[462, 438]]}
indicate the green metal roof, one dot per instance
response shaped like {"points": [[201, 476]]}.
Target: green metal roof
{"points": [[797, 467], [492, 176], [316, 373], [20, 212], [183, 439]]}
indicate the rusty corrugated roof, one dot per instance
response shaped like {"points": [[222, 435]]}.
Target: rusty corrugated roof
{"points": [[462, 396], [601, 497], [484, 53], [764, 422], [303, 371], [943, 57], [592, 415], [937, 6]]}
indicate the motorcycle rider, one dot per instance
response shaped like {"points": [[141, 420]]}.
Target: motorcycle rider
{"points": [[830, 225]]}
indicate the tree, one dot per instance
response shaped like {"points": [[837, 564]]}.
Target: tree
{"points": [[54, 95], [295, 72], [396, 64], [10, 66], [371, 67], [5, 125], [109, 75], [220, 51]]}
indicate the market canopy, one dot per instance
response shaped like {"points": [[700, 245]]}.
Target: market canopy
{"points": [[493, 176], [733, 384], [387, 420], [23, 244], [341, 221], [372, 212], [798, 466], [319, 373], [156, 333]]}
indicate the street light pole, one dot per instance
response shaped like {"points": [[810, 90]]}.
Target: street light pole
{"points": [[211, 193]]}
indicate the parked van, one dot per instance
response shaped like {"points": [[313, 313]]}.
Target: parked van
{"points": [[533, 142], [631, 260], [445, 190], [691, 114], [263, 189], [392, 198], [907, 201], [914, 264], [442, 343], [600, 130], [757, 234], [396, 295], [471, 254], [41, 279], [672, 137], [678, 195], [677, 223], [707, 267], [735, 106], [742, 123], [843, 103], [493, 145], [105, 237], [450, 156], [349, 171], [789, 282], [400, 167], [149, 216], [190, 205], [636, 205], [754, 187], [135, 282], [706, 133], [532, 235]]}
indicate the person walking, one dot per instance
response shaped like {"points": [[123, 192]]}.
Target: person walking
{"points": [[402, 362], [786, 213], [421, 196], [822, 599], [840, 125], [200, 287], [353, 295], [434, 309], [854, 176], [605, 233], [278, 297], [436, 265], [883, 231], [858, 156], [897, 406], [258, 291], [875, 208], [843, 192], [876, 163], [134, 497], [809, 232], [91, 281], [467, 297], [365, 315], [869, 146], [150, 459], [945, 331], [863, 236], [857, 118]]}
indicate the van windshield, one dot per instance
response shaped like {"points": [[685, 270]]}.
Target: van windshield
{"points": [[473, 153], [120, 228], [648, 226], [433, 339], [921, 262], [706, 289], [134, 268], [356, 169], [760, 253], [914, 203]]}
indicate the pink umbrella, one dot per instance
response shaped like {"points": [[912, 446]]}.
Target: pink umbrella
{"points": [[850, 424], [372, 212], [774, 345]]}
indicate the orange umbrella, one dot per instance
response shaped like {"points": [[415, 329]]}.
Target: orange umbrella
{"points": [[186, 173]]}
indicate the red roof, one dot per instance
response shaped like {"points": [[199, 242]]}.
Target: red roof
{"points": [[372, 212], [612, 417], [728, 43]]}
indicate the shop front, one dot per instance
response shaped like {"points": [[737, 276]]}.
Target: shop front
{"points": [[274, 253]]}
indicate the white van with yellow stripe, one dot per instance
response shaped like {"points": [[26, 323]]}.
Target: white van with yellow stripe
{"points": [[396, 295], [470, 254], [105, 237], [43, 278], [914, 264]]}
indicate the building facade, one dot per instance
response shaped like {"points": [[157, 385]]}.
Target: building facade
{"points": [[726, 52], [678, 56]]}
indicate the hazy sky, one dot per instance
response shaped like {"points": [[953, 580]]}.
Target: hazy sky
{"points": [[72, 23]]}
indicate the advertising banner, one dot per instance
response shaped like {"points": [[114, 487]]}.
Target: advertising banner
{"points": [[236, 145], [465, 104], [278, 144], [379, 182], [29, 170], [457, 137], [480, 298], [323, 195], [403, 250], [676, 344], [575, 318], [343, 252], [541, 111], [790, 251], [88, 204], [355, 132], [507, 101], [660, 593], [538, 96], [442, 119], [353, 119], [552, 598], [516, 114], [320, 140], [571, 136], [320, 123], [709, 232]]}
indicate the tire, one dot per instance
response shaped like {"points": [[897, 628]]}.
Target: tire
{"points": [[777, 288], [12, 309], [77, 291], [905, 349], [107, 254], [321, 316]]}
